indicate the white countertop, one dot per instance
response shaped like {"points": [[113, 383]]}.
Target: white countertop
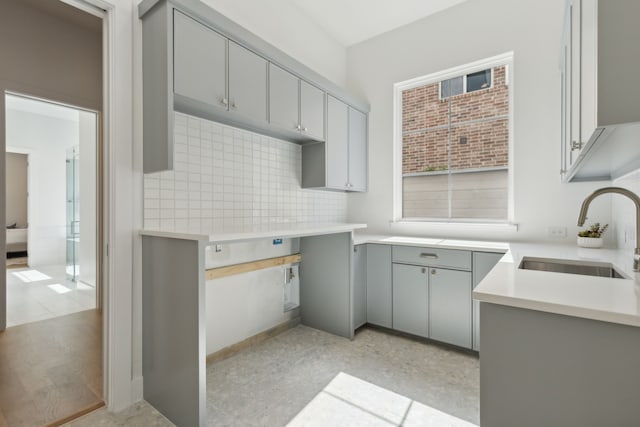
{"points": [[469, 245], [597, 298], [266, 231]]}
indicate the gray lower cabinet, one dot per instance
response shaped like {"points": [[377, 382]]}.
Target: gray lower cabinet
{"points": [[359, 285], [200, 58], [450, 306], [379, 285], [483, 262], [410, 299], [247, 83]]}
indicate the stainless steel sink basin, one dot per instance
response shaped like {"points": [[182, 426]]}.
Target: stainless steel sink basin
{"points": [[587, 268]]}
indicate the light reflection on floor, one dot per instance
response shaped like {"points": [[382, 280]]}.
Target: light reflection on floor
{"points": [[350, 401], [35, 294]]}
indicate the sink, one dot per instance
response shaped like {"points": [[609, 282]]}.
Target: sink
{"points": [[586, 268]]}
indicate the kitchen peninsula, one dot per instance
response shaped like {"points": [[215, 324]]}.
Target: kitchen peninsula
{"points": [[174, 313]]}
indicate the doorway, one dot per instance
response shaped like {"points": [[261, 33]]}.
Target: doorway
{"points": [[59, 274]]}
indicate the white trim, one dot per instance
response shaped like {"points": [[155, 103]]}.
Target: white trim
{"points": [[444, 225], [506, 59], [86, 6]]}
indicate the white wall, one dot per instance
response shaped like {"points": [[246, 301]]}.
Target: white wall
{"points": [[47, 140], [290, 30], [624, 212], [87, 257], [16, 189], [465, 33]]}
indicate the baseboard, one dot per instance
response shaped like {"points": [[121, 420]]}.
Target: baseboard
{"points": [[137, 389], [78, 414], [251, 341]]}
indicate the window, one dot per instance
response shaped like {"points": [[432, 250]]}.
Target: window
{"points": [[464, 84], [453, 132]]}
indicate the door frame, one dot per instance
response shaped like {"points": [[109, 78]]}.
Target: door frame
{"points": [[121, 385]]}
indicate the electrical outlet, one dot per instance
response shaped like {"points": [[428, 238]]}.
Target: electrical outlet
{"points": [[277, 241], [557, 232], [218, 248]]}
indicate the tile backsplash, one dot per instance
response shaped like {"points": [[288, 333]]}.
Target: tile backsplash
{"points": [[227, 178]]}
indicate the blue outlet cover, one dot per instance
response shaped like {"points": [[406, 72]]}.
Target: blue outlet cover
{"points": [[277, 241]]}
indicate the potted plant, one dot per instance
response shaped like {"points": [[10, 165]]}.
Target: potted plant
{"points": [[592, 236]]}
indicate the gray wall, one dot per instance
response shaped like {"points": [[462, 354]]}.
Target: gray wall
{"points": [[50, 50], [16, 189]]}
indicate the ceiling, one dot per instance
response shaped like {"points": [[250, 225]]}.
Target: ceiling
{"points": [[43, 108], [353, 21]]}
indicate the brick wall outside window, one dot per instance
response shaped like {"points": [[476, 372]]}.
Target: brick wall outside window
{"points": [[425, 145]]}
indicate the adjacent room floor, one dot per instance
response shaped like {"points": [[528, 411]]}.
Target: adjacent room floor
{"points": [[43, 293], [308, 377], [50, 369]]}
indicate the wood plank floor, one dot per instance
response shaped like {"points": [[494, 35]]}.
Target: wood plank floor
{"points": [[50, 369]]}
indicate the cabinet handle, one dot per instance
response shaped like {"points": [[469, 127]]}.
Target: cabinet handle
{"points": [[304, 129], [234, 106], [575, 145], [433, 271], [298, 127], [224, 101], [428, 255], [424, 270]]}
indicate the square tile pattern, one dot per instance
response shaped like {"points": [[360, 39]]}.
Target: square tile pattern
{"points": [[227, 178]]}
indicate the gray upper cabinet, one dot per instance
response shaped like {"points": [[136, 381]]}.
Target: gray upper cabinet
{"points": [[200, 62], [357, 150], [312, 102], [247, 83], [284, 98], [341, 162], [337, 144], [379, 287], [600, 64], [450, 306], [410, 299], [295, 105]]}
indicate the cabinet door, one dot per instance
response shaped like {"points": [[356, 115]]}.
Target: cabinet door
{"points": [[357, 150], [312, 111], [200, 62], [450, 306], [410, 299], [337, 143], [360, 285], [247, 83], [483, 262], [575, 34], [379, 293], [283, 98]]}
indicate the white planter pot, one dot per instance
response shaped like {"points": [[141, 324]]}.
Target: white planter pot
{"points": [[590, 242]]}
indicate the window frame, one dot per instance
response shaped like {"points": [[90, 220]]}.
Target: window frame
{"points": [[469, 68], [464, 83]]}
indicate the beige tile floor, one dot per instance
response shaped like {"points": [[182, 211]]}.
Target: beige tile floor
{"points": [[308, 377], [43, 293]]}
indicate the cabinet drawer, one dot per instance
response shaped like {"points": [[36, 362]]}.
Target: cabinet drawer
{"points": [[434, 257]]}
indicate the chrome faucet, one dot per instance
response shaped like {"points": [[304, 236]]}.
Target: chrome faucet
{"points": [[618, 190]]}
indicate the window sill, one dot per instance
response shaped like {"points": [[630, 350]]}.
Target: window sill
{"points": [[456, 225]]}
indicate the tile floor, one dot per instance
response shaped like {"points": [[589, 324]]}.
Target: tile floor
{"points": [[308, 377], [42, 293]]}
